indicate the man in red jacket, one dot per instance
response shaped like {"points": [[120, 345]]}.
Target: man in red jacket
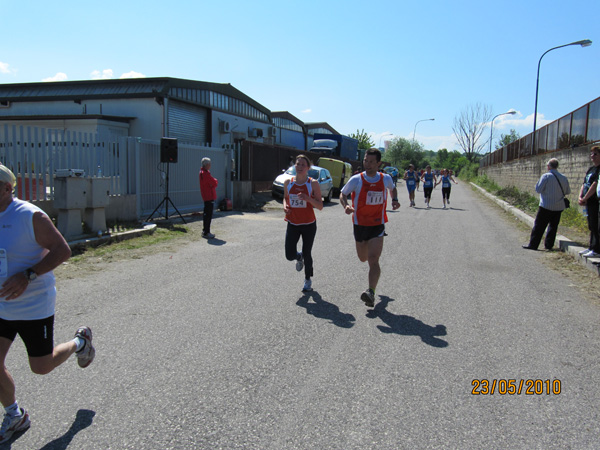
{"points": [[208, 189]]}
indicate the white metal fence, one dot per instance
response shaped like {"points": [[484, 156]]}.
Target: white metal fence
{"points": [[132, 164]]}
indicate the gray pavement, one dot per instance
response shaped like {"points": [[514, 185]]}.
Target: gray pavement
{"points": [[213, 346]]}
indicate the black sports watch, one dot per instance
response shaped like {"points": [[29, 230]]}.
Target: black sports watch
{"points": [[30, 275]]}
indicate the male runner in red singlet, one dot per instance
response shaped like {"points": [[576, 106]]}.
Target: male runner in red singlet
{"points": [[369, 191]]}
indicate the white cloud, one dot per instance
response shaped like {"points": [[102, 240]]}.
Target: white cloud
{"points": [[4, 68], [306, 111], [104, 75], [133, 74], [108, 74], [60, 76]]}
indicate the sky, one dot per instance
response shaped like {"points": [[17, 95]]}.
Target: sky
{"points": [[379, 66]]}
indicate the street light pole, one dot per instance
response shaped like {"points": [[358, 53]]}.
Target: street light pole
{"points": [[415, 130], [583, 43], [492, 127]]}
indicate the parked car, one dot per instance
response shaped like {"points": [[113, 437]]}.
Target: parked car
{"points": [[320, 174], [340, 171]]}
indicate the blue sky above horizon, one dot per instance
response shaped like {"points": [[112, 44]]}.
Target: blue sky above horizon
{"points": [[380, 66]]}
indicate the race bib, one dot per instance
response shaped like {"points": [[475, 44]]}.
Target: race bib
{"points": [[296, 202], [375, 198], [410, 182], [3, 263]]}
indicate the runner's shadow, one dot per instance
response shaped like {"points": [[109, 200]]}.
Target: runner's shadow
{"points": [[407, 325], [216, 241], [325, 310], [83, 420]]}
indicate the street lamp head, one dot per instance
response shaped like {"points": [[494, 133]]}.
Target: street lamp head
{"points": [[584, 43]]}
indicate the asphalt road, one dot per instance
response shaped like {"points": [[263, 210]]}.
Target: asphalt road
{"points": [[213, 346]]}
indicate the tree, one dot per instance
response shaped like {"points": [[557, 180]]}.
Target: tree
{"points": [[506, 139], [469, 126], [403, 152], [364, 140]]}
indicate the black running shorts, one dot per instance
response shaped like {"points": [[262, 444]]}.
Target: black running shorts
{"points": [[37, 335], [363, 233]]}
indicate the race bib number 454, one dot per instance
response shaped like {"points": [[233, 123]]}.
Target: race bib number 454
{"points": [[375, 198]]}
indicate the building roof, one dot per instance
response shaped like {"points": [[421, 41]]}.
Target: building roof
{"points": [[69, 117], [116, 88], [287, 115], [313, 125]]}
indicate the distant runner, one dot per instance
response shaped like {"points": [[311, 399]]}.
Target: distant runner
{"points": [[446, 187], [411, 178], [429, 180]]}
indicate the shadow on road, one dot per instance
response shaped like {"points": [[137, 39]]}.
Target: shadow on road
{"points": [[216, 241], [83, 419], [407, 325], [325, 310]]}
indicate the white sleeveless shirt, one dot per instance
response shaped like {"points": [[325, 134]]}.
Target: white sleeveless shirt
{"points": [[18, 252]]}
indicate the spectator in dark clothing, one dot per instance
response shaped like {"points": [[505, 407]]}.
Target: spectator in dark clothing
{"points": [[589, 200]]}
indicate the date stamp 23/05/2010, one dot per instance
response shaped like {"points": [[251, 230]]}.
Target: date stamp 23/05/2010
{"points": [[493, 386]]}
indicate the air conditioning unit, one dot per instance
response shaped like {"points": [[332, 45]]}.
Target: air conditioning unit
{"points": [[252, 132], [273, 132], [225, 126]]}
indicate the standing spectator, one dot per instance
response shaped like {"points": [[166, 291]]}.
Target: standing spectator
{"points": [[208, 189], [552, 186], [589, 199], [30, 249]]}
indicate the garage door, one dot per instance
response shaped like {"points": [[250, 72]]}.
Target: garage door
{"points": [[187, 122]]}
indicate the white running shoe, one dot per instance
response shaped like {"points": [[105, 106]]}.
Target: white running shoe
{"points": [[11, 425], [86, 355], [583, 252], [307, 286], [592, 254]]}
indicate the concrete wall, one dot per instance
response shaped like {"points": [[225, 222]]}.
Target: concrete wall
{"points": [[524, 173], [120, 207]]}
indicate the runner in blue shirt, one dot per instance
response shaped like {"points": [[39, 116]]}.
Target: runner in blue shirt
{"points": [[411, 177], [429, 180], [445, 180]]}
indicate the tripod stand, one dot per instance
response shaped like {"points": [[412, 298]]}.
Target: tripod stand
{"points": [[166, 200]]}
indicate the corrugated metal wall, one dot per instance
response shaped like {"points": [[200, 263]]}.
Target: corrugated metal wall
{"points": [[188, 123]]}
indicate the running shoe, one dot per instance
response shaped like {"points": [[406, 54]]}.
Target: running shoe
{"points": [[11, 425], [368, 297], [583, 252], [307, 286], [86, 355], [208, 235], [300, 263], [592, 254]]}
